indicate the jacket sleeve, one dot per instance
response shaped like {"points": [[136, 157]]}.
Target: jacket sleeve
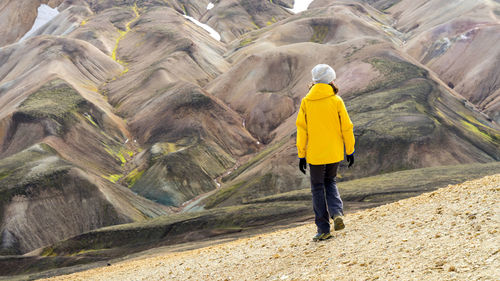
{"points": [[346, 128], [301, 130]]}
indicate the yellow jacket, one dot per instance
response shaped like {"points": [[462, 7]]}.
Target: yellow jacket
{"points": [[323, 127]]}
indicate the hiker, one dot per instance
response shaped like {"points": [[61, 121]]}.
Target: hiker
{"points": [[323, 130]]}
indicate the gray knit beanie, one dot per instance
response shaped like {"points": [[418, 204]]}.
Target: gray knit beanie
{"points": [[323, 73]]}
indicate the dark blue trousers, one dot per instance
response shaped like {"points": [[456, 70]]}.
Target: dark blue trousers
{"points": [[325, 195]]}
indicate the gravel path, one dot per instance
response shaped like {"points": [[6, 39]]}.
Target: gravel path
{"points": [[448, 234]]}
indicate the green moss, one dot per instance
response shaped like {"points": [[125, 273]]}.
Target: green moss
{"points": [[475, 130], [90, 119], [48, 252], [396, 185], [257, 186], [118, 152], [273, 20], [261, 155], [246, 41], [83, 252], [394, 113], [122, 158], [319, 34], [55, 100], [14, 169], [485, 131], [442, 116], [161, 149], [255, 25], [393, 71], [420, 108], [3, 174], [133, 176], [113, 178], [109, 150], [176, 228], [223, 194], [174, 178]]}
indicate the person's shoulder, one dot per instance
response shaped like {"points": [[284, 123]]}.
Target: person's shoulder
{"points": [[337, 98]]}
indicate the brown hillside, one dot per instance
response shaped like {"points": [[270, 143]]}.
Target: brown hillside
{"points": [[456, 42], [45, 199]]}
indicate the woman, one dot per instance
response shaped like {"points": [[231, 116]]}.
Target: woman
{"points": [[324, 130]]}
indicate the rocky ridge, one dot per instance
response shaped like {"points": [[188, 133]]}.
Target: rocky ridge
{"points": [[451, 233]]}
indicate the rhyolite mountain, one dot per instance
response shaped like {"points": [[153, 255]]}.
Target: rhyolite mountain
{"points": [[128, 111]]}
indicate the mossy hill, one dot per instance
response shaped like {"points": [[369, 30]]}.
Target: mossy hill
{"points": [[376, 189], [39, 176], [55, 100]]}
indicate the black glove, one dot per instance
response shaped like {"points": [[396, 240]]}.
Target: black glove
{"points": [[350, 159], [303, 165]]}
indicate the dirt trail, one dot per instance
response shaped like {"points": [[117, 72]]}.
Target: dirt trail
{"points": [[448, 234]]}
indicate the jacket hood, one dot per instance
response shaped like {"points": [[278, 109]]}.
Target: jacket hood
{"points": [[320, 91]]}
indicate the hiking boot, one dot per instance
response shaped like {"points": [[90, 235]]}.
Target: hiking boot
{"points": [[338, 223], [322, 236]]}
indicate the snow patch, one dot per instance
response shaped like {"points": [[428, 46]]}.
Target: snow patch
{"points": [[300, 6], [45, 14], [210, 6], [447, 42], [210, 30], [469, 34], [156, 149]]}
